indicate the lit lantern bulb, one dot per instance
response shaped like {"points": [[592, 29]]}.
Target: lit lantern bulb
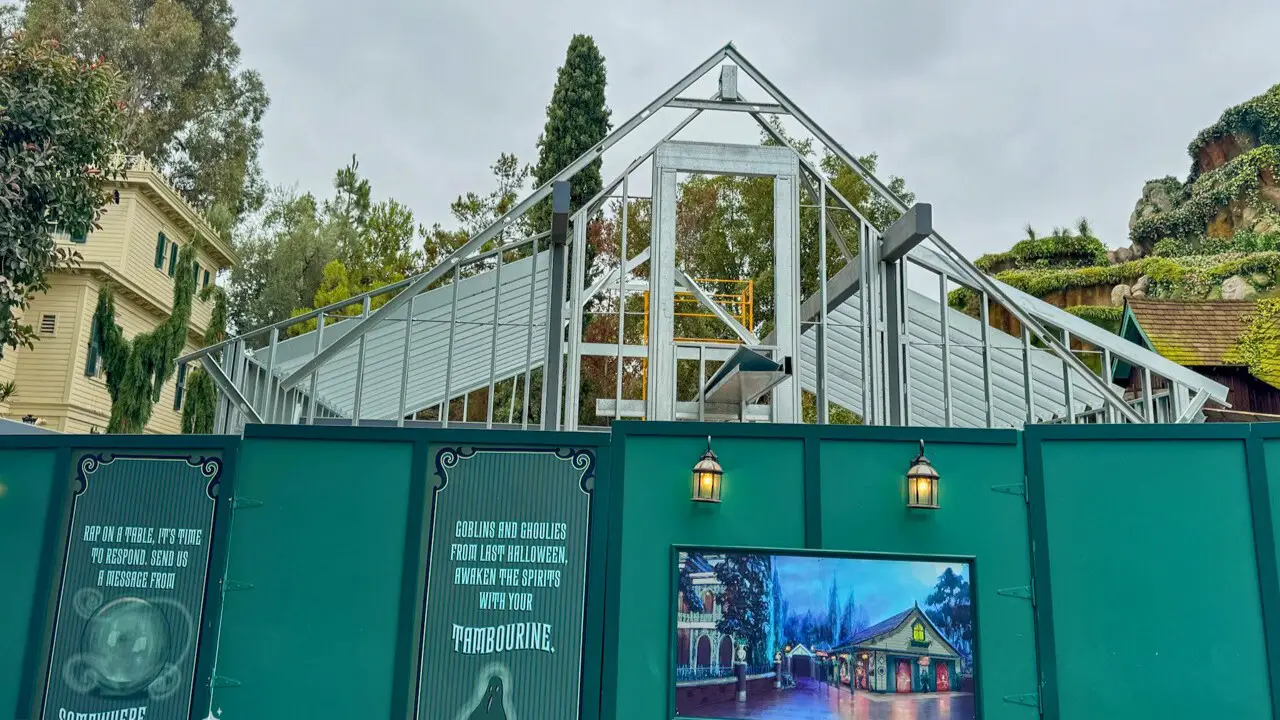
{"points": [[922, 486]]}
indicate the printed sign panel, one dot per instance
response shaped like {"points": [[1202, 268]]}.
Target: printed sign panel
{"points": [[506, 583], [819, 635], [133, 586]]}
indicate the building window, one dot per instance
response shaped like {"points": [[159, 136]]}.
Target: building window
{"points": [[205, 284], [162, 243], [48, 324], [917, 632], [195, 275], [173, 258], [95, 354], [180, 386]]}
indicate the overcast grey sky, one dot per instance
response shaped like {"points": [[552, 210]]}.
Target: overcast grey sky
{"points": [[997, 112]]}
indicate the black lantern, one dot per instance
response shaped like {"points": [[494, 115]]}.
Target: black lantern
{"points": [[707, 475], [922, 483]]}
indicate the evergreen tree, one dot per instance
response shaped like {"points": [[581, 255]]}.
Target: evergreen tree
{"points": [[577, 119], [137, 369], [200, 399], [833, 612]]}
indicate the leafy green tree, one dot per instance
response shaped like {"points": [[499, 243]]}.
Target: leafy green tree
{"points": [[200, 400], [190, 106], [950, 608], [137, 369], [283, 252], [577, 119], [59, 123]]}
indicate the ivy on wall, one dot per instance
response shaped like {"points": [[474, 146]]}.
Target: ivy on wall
{"points": [[1104, 316], [1053, 251], [137, 369], [1240, 178], [1184, 277], [1259, 346], [1258, 118]]}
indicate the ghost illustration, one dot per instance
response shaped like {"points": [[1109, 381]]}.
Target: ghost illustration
{"points": [[490, 706]]}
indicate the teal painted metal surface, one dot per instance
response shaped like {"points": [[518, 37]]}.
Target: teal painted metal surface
{"points": [[1146, 573], [864, 508], [316, 634], [763, 506], [26, 484]]}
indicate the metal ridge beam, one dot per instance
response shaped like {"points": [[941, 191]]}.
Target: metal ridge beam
{"points": [[480, 238], [982, 280]]}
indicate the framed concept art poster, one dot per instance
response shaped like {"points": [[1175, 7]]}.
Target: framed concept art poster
{"points": [[765, 634]]}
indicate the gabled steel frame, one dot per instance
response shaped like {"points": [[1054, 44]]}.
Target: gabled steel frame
{"points": [[878, 288]]}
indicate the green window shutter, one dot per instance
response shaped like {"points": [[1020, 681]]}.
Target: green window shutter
{"points": [[91, 366], [195, 275], [180, 386], [161, 243], [205, 284], [173, 258], [79, 237]]}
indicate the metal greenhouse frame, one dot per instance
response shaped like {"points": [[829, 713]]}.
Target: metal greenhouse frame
{"points": [[867, 341]]}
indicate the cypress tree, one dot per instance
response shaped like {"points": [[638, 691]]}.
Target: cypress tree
{"points": [[137, 369], [577, 119]]}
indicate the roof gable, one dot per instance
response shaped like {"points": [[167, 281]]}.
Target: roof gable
{"points": [[1196, 333], [896, 631]]}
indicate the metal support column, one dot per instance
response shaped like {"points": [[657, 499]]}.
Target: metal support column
{"points": [[528, 347], [315, 376], [894, 311], [947, 394], [268, 400], [551, 379], [493, 341], [1068, 388], [360, 356], [988, 397], [1028, 376], [448, 358], [824, 409], [404, 363]]}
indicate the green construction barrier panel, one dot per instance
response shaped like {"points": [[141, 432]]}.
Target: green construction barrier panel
{"points": [[26, 484], [1147, 578], [314, 621], [981, 513], [763, 506]]}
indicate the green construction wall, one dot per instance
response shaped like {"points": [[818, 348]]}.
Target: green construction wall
{"points": [[312, 610], [1148, 573], [982, 514], [763, 506], [1150, 552], [806, 490], [26, 488]]}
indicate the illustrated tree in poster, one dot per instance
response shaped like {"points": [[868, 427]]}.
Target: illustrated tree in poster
{"points": [[950, 608], [745, 601]]}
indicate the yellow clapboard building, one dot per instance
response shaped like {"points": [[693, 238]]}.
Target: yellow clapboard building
{"points": [[60, 381]]}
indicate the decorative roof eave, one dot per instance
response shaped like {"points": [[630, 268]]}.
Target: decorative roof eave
{"points": [[915, 612], [140, 171]]}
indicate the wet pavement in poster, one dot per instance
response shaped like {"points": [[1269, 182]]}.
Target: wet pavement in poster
{"points": [[811, 700]]}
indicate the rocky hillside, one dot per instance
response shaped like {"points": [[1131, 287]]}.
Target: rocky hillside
{"points": [[1214, 235]]}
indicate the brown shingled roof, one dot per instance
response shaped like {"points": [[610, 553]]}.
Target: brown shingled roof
{"points": [[1193, 333]]}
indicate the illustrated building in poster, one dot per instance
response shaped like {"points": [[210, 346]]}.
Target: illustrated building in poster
{"points": [[762, 635]]}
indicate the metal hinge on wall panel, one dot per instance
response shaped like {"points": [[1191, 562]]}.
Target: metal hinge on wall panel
{"points": [[224, 682], [235, 585], [1023, 592], [1028, 699], [1019, 489], [240, 503]]}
